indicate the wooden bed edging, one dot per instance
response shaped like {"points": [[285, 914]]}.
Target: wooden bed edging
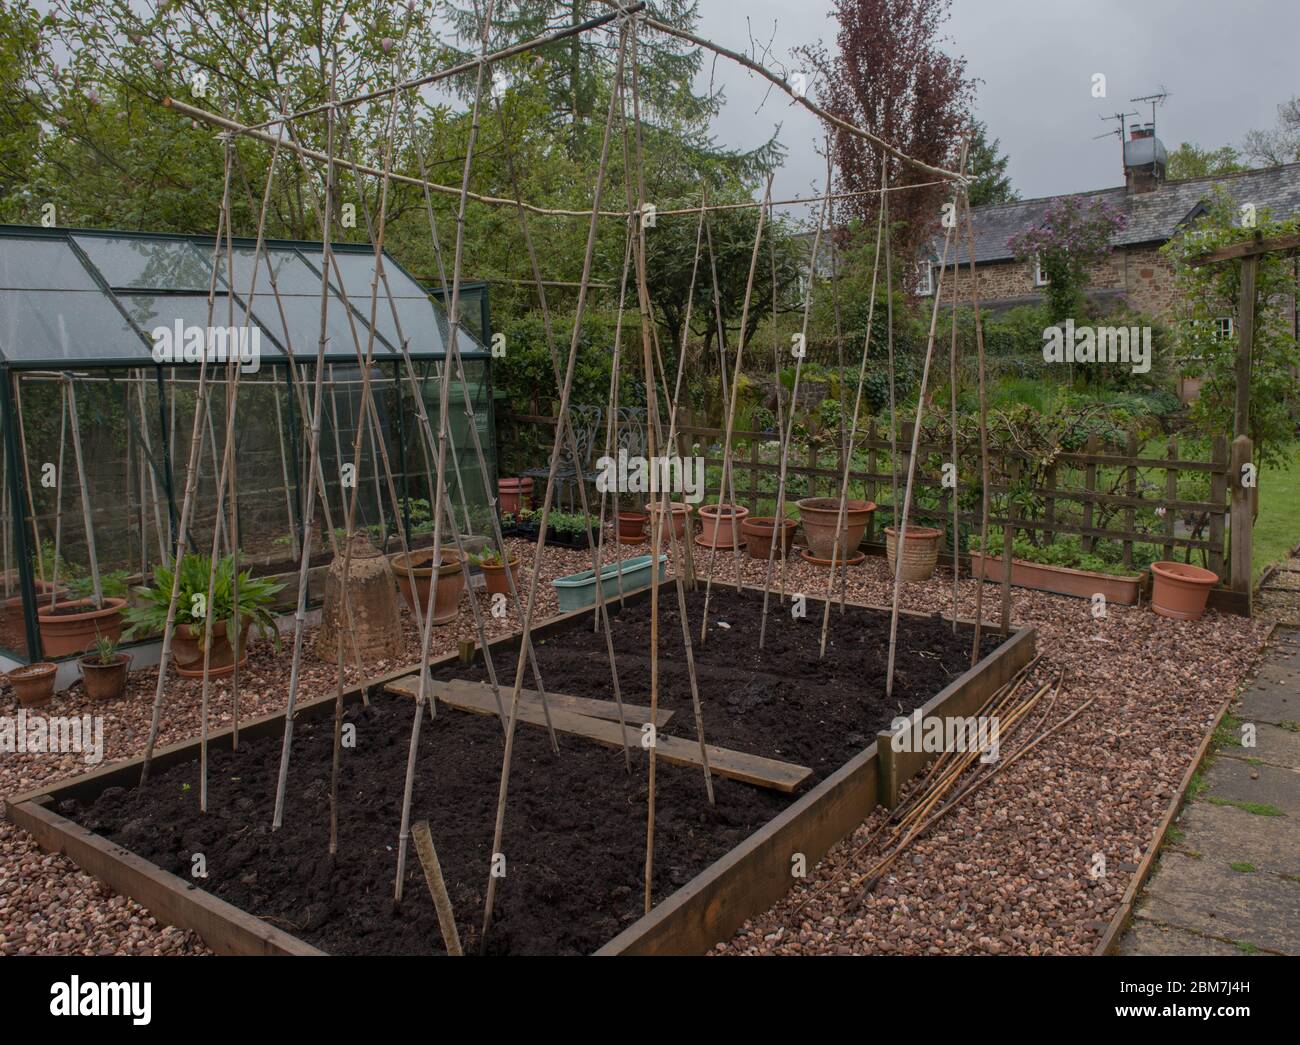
{"points": [[757, 873], [171, 900], [743, 883]]}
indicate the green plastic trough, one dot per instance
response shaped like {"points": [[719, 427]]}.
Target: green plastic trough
{"points": [[578, 590]]}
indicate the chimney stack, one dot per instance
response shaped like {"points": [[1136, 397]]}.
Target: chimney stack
{"points": [[1144, 160]]}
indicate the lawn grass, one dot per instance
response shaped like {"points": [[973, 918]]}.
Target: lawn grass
{"points": [[1278, 527]]}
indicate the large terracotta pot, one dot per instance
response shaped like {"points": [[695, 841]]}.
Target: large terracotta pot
{"points": [[513, 494], [33, 684], [821, 515], [105, 681], [73, 626], [187, 649], [496, 578], [680, 514], [631, 527], [720, 525], [920, 551], [1179, 589], [451, 582], [758, 533]]}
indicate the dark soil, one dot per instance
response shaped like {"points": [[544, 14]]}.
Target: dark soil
{"points": [[575, 825], [783, 701], [574, 834]]}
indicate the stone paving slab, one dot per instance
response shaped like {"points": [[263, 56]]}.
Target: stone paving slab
{"points": [[1207, 897], [1273, 746], [1229, 835], [1271, 702], [1152, 940], [1230, 779]]}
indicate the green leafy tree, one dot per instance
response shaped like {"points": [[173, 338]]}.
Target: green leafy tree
{"points": [[1073, 233], [1214, 291], [1189, 160], [991, 183]]}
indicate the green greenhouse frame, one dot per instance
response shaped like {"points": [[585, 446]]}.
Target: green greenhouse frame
{"points": [[80, 308]]}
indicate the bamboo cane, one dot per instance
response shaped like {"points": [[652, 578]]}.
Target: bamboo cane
{"points": [[900, 537], [437, 887]]}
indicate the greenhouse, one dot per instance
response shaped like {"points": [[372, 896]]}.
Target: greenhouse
{"points": [[99, 392]]}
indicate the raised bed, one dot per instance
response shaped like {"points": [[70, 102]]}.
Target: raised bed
{"points": [[743, 880], [1061, 580]]}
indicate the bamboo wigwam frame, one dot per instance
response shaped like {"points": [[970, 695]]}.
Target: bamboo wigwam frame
{"points": [[702, 912]]}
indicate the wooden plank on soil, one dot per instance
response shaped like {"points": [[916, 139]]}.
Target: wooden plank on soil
{"points": [[477, 697], [737, 765]]}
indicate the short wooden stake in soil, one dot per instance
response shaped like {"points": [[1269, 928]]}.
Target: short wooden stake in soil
{"points": [[437, 887]]}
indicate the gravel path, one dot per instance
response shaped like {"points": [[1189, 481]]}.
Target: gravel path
{"points": [[1009, 873]]}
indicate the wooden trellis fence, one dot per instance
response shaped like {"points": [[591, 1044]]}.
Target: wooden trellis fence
{"points": [[1102, 493]]}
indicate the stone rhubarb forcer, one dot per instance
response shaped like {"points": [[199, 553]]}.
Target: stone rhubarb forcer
{"points": [[375, 615]]}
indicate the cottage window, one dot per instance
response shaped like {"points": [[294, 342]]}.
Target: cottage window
{"points": [[1224, 328], [925, 279], [1040, 277]]}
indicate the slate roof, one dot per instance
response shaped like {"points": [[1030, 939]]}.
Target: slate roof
{"points": [[1153, 217]]}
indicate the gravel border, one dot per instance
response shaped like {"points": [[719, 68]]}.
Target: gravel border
{"points": [[1007, 874]]}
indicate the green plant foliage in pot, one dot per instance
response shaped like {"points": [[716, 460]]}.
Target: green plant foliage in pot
{"points": [[256, 596]]}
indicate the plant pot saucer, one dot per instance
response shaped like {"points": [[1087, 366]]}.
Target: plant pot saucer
{"points": [[855, 560], [213, 673], [704, 542], [632, 540]]}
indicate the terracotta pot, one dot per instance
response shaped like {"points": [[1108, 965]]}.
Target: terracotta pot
{"points": [[1179, 589], [187, 650], [631, 527], [496, 578], [451, 582], [513, 494], [105, 681], [720, 524], [1083, 584], [758, 533], [920, 551], [64, 632], [821, 515], [33, 683], [680, 516]]}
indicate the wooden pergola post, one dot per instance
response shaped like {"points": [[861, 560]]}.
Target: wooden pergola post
{"points": [[1242, 514]]}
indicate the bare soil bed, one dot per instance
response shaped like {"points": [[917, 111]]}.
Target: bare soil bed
{"points": [[782, 701], [575, 826]]}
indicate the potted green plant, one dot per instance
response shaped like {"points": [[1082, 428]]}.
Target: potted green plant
{"points": [[256, 597], [103, 671], [497, 574], [71, 625]]}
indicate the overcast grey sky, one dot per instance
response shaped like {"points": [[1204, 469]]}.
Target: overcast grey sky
{"points": [[1227, 64]]}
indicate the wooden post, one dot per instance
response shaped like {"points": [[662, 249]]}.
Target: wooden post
{"points": [[1171, 494], [1241, 521], [887, 767], [1245, 343], [1218, 497], [1093, 446], [1130, 490]]}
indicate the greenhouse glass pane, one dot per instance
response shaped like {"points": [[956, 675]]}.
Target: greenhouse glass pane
{"points": [[150, 264], [41, 264], [65, 326], [302, 314], [292, 274], [158, 315], [358, 271]]}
